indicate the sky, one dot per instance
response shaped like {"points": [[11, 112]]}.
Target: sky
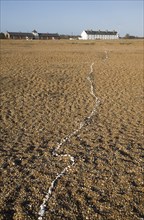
{"points": [[72, 17]]}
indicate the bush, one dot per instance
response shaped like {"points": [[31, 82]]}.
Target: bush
{"points": [[2, 36]]}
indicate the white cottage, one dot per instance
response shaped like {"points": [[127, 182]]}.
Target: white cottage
{"points": [[35, 33], [104, 35]]}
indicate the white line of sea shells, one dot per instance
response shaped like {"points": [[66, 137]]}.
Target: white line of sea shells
{"points": [[67, 138]]}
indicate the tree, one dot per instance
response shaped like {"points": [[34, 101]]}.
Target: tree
{"points": [[127, 36]]}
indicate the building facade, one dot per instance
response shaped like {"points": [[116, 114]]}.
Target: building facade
{"points": [[102, 35]]}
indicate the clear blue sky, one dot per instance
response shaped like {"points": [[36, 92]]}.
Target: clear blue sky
{"points": [[67, 17]]}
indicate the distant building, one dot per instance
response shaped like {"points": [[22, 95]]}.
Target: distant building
{"points": [[47, 36], [33, 35], [103, 35], [19, 35]]}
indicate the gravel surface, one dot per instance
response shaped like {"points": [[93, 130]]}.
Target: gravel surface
{"points": [[45, 95]]}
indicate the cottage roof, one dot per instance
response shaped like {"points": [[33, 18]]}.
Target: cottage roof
{"points": [[53, 34], [48, 34], [34, 31], [21, 34], [43, 34], [24, 34], [91, 32]]}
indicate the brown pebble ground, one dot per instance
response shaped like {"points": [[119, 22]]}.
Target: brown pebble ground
{"points": [[45, 95]]}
